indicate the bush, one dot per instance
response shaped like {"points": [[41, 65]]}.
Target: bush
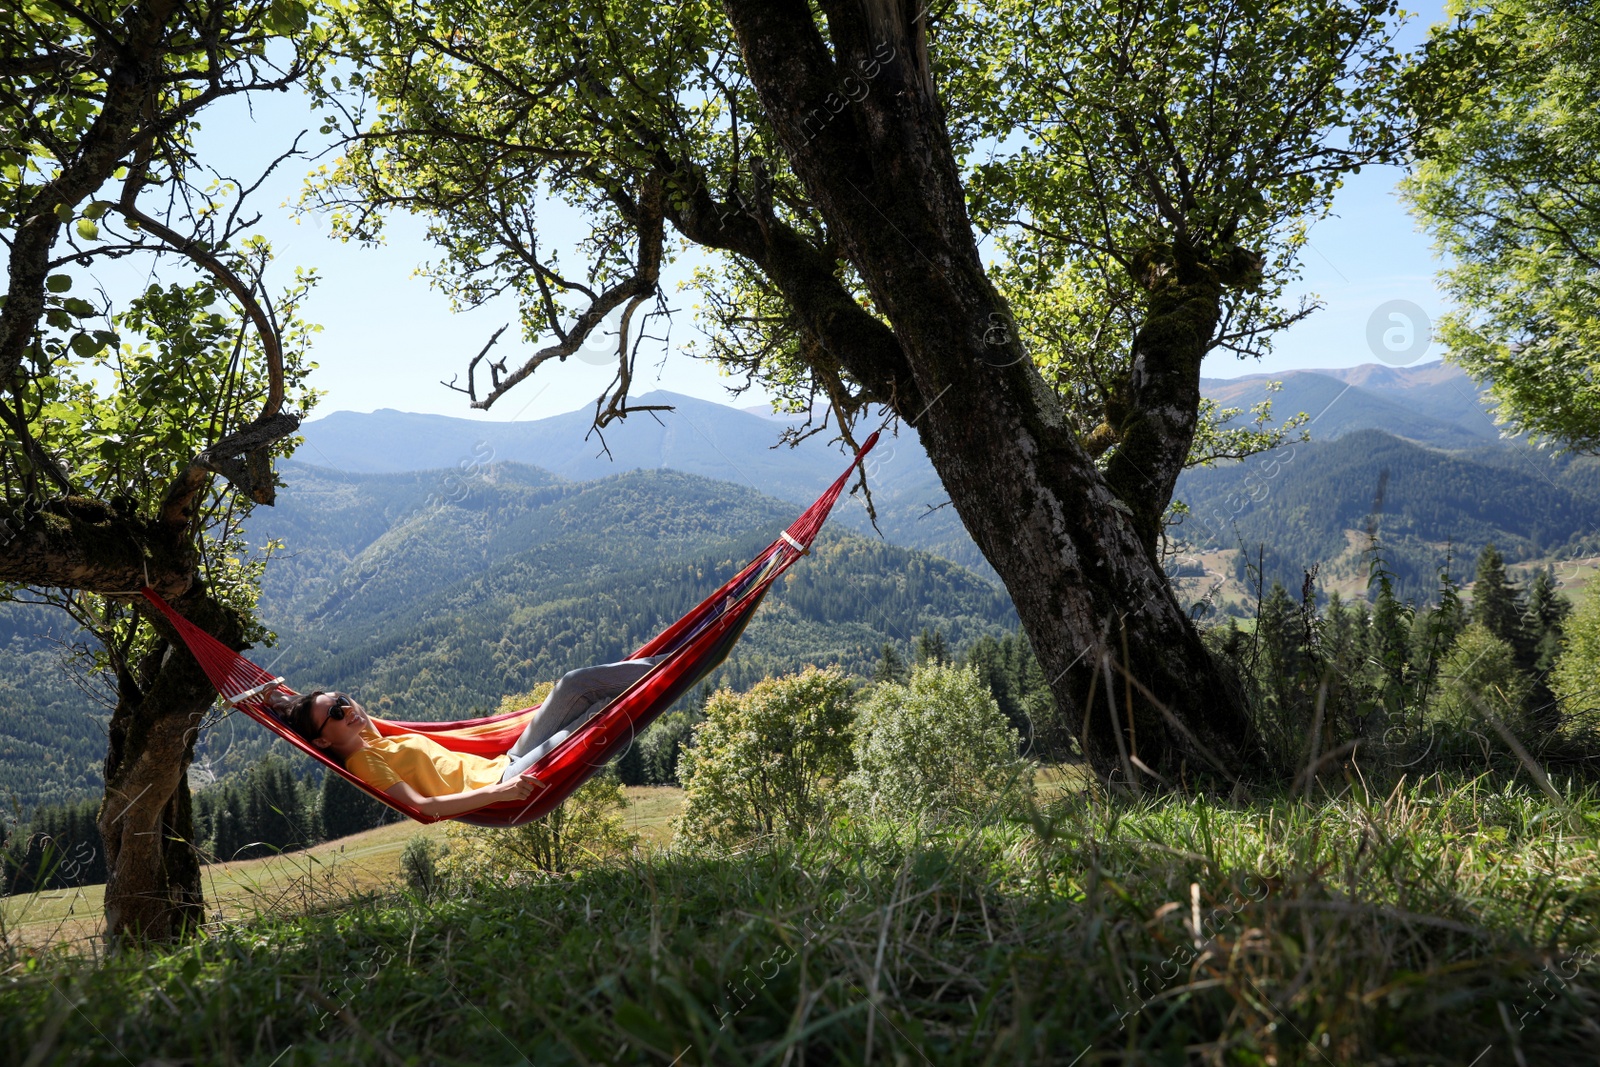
{"points": [[1576, 671], [418, 864], [588, 827], [762, 761], [939, 743], [1480, 674]]}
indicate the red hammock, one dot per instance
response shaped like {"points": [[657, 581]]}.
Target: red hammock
{"points": [[693, 645]]}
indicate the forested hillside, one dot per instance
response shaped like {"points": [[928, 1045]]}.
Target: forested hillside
{"points": [[52, 733], [1313, 503], [433, 593], [695, 437]]}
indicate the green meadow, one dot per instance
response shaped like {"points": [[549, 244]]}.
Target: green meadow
{"points": [[1443, 922]]}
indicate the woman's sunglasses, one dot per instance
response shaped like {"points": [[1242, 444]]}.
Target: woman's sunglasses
{"points": [[340, 706]]}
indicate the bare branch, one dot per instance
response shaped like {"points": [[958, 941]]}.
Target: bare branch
{"points": [[630, 292], [470, 390]]}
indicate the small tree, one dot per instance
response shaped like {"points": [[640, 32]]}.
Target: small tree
{"points": [[1389, 642], [419, 864], [1480, 675], [891, 665], [1496, 602], [588, 827], [762, 760], [1576, 676], [930, 647], [939, 743], [1543, 619]]}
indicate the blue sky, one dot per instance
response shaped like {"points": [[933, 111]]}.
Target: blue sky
{"points": [[389, 338]]}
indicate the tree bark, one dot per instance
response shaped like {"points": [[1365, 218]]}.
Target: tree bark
{"points": [[153, 889], [1069, 550], [1161, 407]]}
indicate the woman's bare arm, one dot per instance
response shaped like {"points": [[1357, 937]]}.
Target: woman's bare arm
{"points": [[519, 788]]}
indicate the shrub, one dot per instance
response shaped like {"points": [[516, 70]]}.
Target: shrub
{"points": [[938, 743], [762, 761], [1480, 674], [418, 864], [1576, 671], [588, 827]]}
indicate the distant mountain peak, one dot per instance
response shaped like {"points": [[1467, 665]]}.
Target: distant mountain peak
{"points": [[1367, 375]]}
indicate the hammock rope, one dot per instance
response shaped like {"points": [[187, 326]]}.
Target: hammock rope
{"points": [[693, 647]]}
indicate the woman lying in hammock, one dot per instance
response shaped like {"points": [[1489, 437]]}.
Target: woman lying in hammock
{"points": [[416, 770]]}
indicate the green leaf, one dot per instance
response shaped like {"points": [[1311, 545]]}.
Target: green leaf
{"points": [[58, 283]]}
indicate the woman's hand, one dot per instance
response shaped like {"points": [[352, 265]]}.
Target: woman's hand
{"points": [[519, 788]]}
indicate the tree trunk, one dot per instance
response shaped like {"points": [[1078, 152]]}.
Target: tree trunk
{"points": [[1163, 400], [1124, 662], [153, 890]]}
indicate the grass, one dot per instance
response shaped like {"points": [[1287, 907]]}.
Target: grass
{"points": [[286, 884], [1447, 922], [292, 883]]}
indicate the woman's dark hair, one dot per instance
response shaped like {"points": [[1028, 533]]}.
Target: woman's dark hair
{"points": [[301, 718]]}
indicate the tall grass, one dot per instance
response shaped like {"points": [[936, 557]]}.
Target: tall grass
{"points": [[1445, 922]]}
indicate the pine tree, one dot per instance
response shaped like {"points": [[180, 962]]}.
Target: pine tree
{"points": [[228, 836], [1279, 650], [1546, 614], [1341, 634], [930, 647], [891, 669], [1434, 633], [273, 809], [986, 657], [1496, 603], [1389, 643], [343, 809]]}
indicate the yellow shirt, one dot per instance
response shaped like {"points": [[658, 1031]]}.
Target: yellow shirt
{"points": [[422, 763]]}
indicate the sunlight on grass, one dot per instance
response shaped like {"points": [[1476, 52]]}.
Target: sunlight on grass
{"points": [[1404, 927], [289, 884]]}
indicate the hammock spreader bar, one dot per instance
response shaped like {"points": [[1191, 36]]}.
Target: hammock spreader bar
{"points": [[694, 646]]}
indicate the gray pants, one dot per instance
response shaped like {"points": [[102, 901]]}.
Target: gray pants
{"points": [[576, 696]]}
